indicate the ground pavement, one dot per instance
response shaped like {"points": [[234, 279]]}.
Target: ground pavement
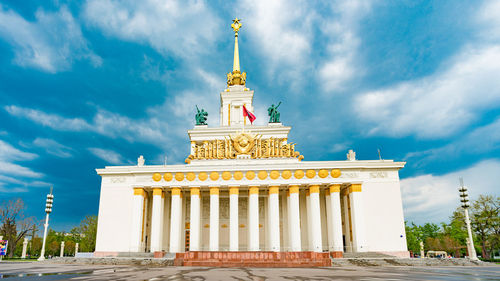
{"points": [[39, 271]]}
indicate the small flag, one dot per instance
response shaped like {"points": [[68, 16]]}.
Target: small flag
{"points": [[247, 113]]}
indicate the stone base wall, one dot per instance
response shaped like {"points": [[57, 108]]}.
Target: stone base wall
{"points": [[336, 255], [253, 259], [398, 254]]}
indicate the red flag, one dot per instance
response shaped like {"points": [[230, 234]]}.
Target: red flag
{"points": [[247, 113]]}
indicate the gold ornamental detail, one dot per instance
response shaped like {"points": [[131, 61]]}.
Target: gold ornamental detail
{"points": [[214, 176], [238, 175], [179, 176], [203, 176], [335, 173], [299, 174], [168, 176], [323, 173], [244, 144], [250, 175], [262, 175], [274, 175], [190, 176], [226, 176], [156, 176], [286, 174]]}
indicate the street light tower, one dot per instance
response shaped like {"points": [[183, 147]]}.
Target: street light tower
{"points": [[465, 205], [48, 210]]}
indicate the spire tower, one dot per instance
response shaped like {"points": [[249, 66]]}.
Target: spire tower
{"points": [[236, 77]]}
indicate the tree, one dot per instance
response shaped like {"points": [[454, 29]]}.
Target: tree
{"points": [[14, 225], [413, 237], [485, 222], [86, 233], [456, 233]]}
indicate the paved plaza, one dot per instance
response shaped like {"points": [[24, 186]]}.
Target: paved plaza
{"points": [[39, 271]]}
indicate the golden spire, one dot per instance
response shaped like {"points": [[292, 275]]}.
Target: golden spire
{"points": [[236, 77]]}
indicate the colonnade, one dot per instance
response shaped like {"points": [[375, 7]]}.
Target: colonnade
{"points": [[353, 228]]}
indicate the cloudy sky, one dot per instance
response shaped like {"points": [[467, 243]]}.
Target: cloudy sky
{"points": [[99, 82]]}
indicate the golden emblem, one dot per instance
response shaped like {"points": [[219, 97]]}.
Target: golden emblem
{"points": [[243, 143]]}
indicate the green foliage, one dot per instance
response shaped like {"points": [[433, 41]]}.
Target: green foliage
{"points": [[452, 237], [413, 237], [87, 231], [485, 220]]}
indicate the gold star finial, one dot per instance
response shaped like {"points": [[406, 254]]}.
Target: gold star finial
{"points": [[236, 77], [236, 25]]}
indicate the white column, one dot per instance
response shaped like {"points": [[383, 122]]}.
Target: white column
{"points": [[156, 220], [25, 247], [315, 218], [253, 218], [274, 218], [76, 249], [329, 225], [195, 220], [62, 249], [358, 218], [233, 218], [336, 219], [175, 221], [309, 229], [214, 218], [294, 216], [137, 219]]}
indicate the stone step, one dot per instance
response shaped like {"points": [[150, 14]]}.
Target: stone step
{"points": [[365, 255]]}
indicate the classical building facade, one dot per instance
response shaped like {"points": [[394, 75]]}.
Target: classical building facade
{"points": [[247, 188]]}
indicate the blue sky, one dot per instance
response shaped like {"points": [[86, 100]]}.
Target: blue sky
{"points": [[100, 82]]}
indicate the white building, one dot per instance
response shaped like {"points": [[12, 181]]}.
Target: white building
{"points": [[246, 188]]}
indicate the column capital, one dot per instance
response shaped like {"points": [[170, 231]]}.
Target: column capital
{"points": [[195, 191], [334, 188], [253, 190], [157, 192], [274, 190], [214, 190], [176, 191], [314, 188], [355, 187], [293, 189], [234, 190], [139, 191]]}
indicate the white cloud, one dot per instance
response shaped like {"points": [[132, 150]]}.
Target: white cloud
{"points": [[488, 20], [51, 43], [479, 141], [9, 155], [438, 105], [52, 121], [184, 28], [152, 129], [429, 198], [107, 155], [340, 30], [284, 31], [53, 147], [447, 101], [281, 28]]}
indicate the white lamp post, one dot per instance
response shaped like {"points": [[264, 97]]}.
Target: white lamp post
{"points": [[465, 205], [48, 209]]}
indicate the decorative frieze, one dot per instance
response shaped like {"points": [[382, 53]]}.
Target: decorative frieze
{"points": [[243, 144]]}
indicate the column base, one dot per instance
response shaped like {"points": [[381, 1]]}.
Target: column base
{"points": [[337, 254]]}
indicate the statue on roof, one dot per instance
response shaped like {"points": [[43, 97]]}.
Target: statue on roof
{"points": [[274, 115], [201, 116]]}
